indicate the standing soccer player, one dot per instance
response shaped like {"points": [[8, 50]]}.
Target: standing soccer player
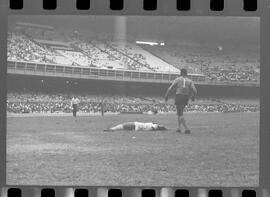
{"points": [[75, 102], [185, 89], [101, 104]]}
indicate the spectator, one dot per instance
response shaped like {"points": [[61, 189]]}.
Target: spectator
{"points": [[60, 103]]}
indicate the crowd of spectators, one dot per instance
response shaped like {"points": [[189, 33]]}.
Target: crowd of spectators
{"points": [[61, 103], [125, 60], [232, 73], [99, 57], [77, 57], [143, 58], [22, 49], [217, 63]]}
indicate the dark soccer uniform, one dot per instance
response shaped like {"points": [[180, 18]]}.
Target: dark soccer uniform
{"points": [[181, 102], [184, 89]]}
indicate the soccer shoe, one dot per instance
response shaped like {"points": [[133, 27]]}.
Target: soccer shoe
{"points": [[187, 131], [178, 131], [107, 130]]}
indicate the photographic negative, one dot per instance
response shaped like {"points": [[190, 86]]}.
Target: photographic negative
{"points": [[133, 100]]}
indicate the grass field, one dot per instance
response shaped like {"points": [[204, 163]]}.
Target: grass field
{"points": [[223, 150]]}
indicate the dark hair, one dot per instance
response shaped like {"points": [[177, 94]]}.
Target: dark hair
{"points": [[161, 128], [183, 72]]}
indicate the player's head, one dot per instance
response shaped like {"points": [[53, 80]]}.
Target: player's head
{"points": [[160, 127], [183, 72]]}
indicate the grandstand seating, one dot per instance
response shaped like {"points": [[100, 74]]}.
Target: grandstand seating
{"points": [[98, 52], [76, 57], [22, 49], [147, 59], [34, 45], [217, 66], [61, 103], [116, 56]]}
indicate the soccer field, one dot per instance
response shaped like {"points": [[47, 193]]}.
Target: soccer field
{"points": [[222, 150]]}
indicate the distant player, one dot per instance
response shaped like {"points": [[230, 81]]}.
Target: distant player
{"points": [[185, 89], [101, 104], [137, 126], [75, 102]]}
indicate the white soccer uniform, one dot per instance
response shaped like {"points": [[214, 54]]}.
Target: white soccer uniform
{"points": [[147, 126], [137, 126], [75, 101]]}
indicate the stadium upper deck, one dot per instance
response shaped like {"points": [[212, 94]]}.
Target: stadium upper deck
{"points": [[33, 43]]}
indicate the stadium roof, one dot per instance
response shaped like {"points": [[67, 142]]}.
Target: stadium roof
{"points": [[31, 25]]}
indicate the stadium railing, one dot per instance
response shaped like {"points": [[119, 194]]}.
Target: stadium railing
{"points": [[56, 70]]}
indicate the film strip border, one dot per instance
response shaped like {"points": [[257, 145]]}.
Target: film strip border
{"points": [[161, 7], [131, 192], [150, 5]]}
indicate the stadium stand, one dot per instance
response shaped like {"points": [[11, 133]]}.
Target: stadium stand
{"points": [[44, 44], [76, 57], [20, 48], [216, 63], [144, 57], [60, 103], [125, 60], [100, 57]]}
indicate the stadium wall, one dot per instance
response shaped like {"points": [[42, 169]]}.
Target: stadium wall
{"points": [[25, 83]]}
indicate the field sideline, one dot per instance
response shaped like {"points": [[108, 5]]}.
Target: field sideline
{"points": [[223, 150]]}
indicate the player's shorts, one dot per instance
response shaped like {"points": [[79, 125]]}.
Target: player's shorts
{"points": [[75, 107], [130, 126], [181, 101]]}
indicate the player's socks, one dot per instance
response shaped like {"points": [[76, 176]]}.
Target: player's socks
{"points": [[187, 131]]}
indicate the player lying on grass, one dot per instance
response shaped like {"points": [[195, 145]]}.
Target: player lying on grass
{"points": [[137, 126]]}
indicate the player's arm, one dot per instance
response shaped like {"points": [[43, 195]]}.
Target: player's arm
{"points": [[170, 89]]}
